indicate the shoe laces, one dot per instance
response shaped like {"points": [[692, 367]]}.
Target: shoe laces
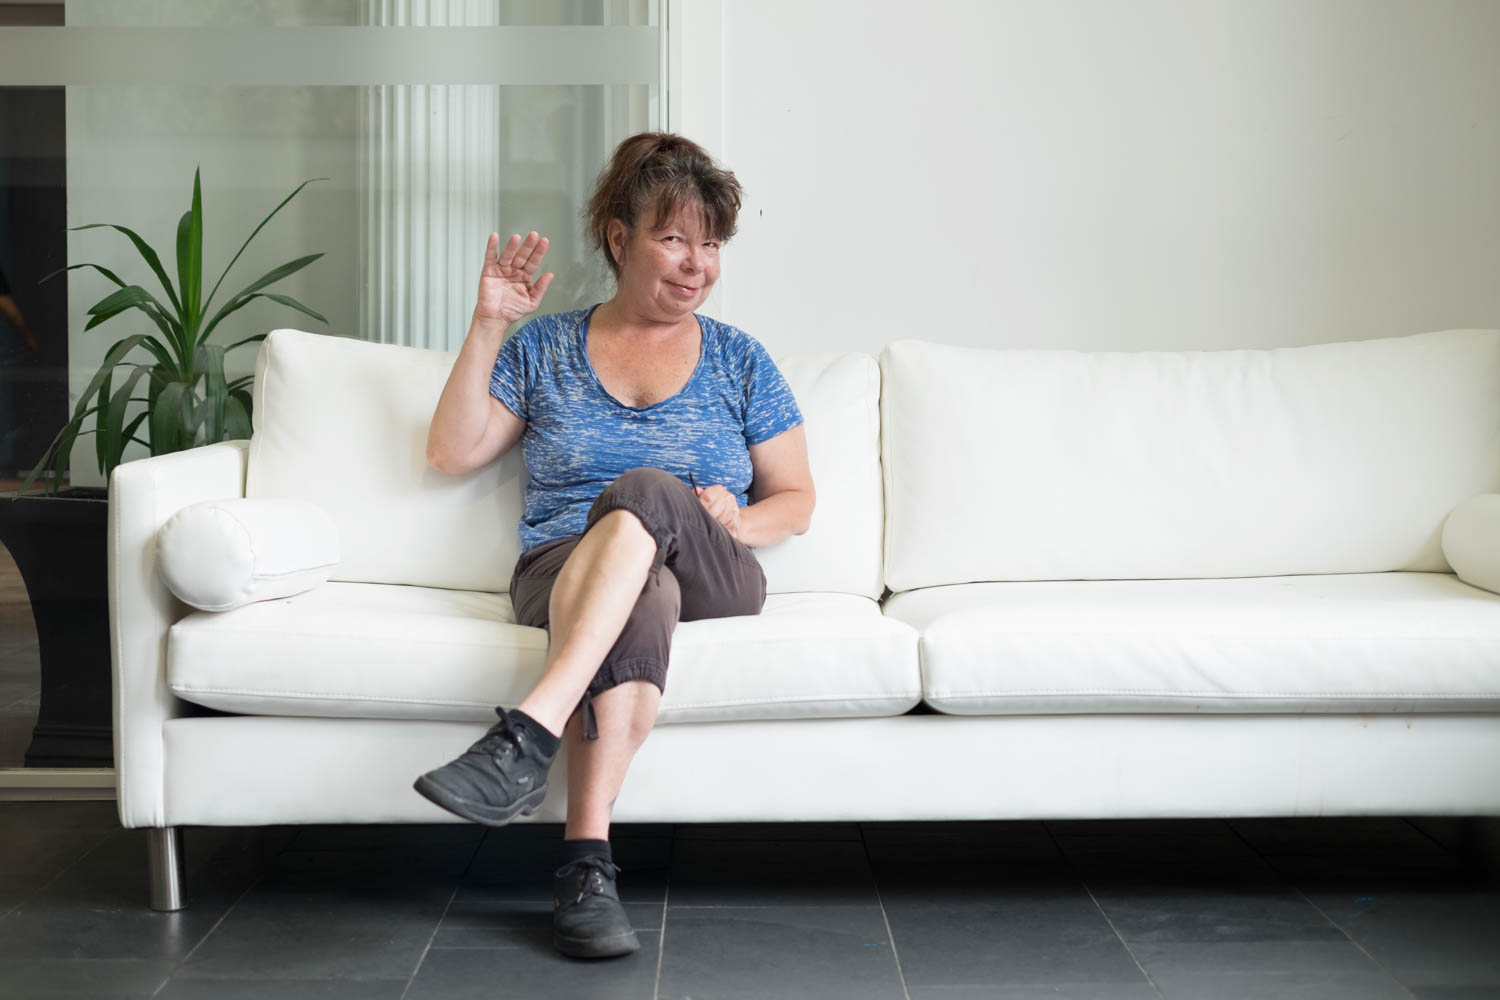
{"points": [[502, 738], [594, 872]]}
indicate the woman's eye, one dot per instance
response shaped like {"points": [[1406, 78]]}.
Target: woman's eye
{"points": [[669, 239]]}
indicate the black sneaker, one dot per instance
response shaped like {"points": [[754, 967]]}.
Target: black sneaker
{"points": [[587, 918], [502, 774]]}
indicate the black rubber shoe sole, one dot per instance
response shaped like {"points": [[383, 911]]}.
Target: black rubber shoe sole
{"points": [[480, 812], [602, 947]]}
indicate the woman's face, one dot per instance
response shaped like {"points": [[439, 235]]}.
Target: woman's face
{"points": [[668, 272]]}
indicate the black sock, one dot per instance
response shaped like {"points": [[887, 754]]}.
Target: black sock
{"points": [[544, 739], [572, 850]]}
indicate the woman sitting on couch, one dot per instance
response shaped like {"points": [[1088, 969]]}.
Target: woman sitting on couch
{"points": [[646, 429]]}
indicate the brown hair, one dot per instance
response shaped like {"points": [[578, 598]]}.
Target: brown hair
{"points": [[668, 172]]}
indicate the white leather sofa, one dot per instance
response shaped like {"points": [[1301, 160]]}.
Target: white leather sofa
{"points": [[1038, 584]]}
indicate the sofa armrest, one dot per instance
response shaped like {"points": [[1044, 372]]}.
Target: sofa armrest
{"points": [[142, 495], [1471, 541]]}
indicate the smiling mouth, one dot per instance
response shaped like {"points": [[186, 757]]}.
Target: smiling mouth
{"points": [[685, 288]]}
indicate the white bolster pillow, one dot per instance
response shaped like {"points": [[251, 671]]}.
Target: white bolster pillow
{"points": [[218, 555], [1471, 541]]}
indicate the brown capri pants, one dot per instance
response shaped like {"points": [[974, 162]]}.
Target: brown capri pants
{"points": [[700, 571]]}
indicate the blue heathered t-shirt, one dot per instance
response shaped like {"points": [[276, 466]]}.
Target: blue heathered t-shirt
{"points": [[579, 438]]}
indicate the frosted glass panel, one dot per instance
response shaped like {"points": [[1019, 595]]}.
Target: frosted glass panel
{"points": [[430, 123]]}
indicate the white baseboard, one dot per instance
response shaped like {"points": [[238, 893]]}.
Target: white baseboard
{"points": [[55, 783]]}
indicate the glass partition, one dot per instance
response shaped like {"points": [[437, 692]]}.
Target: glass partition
{"points": [[417, 126]]}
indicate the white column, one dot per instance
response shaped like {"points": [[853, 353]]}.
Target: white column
{"points": [[429, 191]]}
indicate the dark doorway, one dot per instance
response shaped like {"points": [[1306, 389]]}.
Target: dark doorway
{"points": [[33, 243]]}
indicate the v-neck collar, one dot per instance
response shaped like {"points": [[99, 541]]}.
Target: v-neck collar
{"points": [[583, 347]]}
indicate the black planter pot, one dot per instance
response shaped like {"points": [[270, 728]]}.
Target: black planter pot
{"points": [[60, 545]]}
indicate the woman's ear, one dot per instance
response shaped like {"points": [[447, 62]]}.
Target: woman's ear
{"points": [[618, 236]]}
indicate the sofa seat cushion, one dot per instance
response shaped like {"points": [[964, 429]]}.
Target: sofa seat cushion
{"points": [[365, 650], [1363, 642]]}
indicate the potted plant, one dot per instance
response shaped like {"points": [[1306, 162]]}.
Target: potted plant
{"points": [[58, 539]]}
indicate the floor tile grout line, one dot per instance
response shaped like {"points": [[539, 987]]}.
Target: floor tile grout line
{"points": [[459, 883], [666, 894], [1320, 911], [1378, 963], [1098, 906], [259, 877], [890, 935], [118, 831]]}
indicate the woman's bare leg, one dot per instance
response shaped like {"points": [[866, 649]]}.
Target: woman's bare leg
{"points": [[596, 768], [591, 600]]}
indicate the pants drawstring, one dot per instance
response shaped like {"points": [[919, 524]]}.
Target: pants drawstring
{"points": [[590, 725]]}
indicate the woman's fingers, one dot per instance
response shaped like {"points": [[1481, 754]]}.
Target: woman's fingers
{"points": [[717, 501], [508, 254], [524, 251], [540, 288], [521, 255], [529, 257]]}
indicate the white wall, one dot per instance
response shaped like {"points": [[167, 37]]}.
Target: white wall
{"points": [[1089, 174]]}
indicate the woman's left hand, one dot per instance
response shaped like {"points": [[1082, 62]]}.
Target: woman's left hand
{"points": [[722, 505]]}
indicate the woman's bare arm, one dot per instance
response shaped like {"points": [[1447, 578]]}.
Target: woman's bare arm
{"points": [[465, 425]]}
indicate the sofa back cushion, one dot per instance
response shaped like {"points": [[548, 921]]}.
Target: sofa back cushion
{"points": [[343, 422], [1062, 465]]}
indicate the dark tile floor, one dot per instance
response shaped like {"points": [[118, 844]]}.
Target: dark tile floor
{"points": [[1356, 908]]}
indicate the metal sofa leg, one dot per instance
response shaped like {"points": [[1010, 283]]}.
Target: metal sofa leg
{"points": [[164, 851]]}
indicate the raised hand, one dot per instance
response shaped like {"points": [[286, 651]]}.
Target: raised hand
{"points": [[506, 289]]}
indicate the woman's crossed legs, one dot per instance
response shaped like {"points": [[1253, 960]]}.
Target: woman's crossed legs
{"points": [[649, 556]]}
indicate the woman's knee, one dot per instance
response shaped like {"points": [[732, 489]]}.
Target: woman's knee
{"points": [[640, 493]]}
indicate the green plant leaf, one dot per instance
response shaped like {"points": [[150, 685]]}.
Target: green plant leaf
{"points": [[189, 419], [59, 449], [161, 377], [287, 300], [157, 350], [166, 419], [58, 452], [101, 443], [244, 296], [151, 307], [247, 402], [203, 415], [114, 420], [111, 359], [237, 418], [277, 273], [129, 297], [153, 261], [238, 303], [166, 325], [252, 236], [129, 434], [73, 267], [164, 367], [62, 459], [210, 362], [190, 259], [247, 340]]}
